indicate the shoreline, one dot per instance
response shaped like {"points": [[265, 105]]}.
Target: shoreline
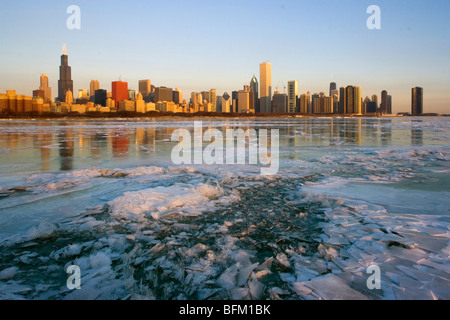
{"points": [[193, 116]]}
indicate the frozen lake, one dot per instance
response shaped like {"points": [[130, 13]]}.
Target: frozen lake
{"points": [[106, 196]]}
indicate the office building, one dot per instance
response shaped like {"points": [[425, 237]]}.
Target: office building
{"points": [[93, 86], [100, 97], [163, 94], [83, 93], [145, 87], [292, 96], [234, 101], [254, 94], [417, 101], [226, 103], [45, 88], [243, 101], [119, 92], [389, 104], [65, 81], [280, 103], [265, 87], [304, 103], [342, 100], [333, 88], [384, 102], [177, 96], [352, 100], [131, 94]]}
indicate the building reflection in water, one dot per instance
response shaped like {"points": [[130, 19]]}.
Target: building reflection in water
{"points": [[386, 131], [120, 144], [45, 141], [416, 134], [66, 148]]}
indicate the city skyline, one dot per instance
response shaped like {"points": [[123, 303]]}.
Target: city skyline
{"points": [[387, 59]]}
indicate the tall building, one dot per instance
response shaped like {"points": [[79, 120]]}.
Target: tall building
{"points": [[254, 96], [94, 86], [163, 94], [69, 97], [234, 101], [100, 97], [292, 96], [266, 87], [280, 103], [333, 88], [119, 92], [213, 99], [304, 103], [226, 103], [243, 101], [145, 87], [357, 104], [83, 93], [45, 88], [417, 101], [131, 94], [384, 102], [352, 100], [65, 82], [177, 96], [342, 100], [389, 104]]}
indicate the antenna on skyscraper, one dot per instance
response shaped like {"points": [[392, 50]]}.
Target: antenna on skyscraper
{"points": [[64, 50]]}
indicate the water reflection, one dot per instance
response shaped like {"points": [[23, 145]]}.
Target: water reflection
{"points": [[66, 149], [120, 144], [59, 145]]}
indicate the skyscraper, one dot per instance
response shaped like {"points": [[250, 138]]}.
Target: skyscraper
{"points": [[389, 104], [163, 94], [226, 103], [292, 96], [100, 97], [119, 92], [342, 100], [333, 87], [65, 82], [243, 101], [145, 87], [304, 103], [266, 87], [357, 109], [94, 86], [279, 102], [45, 88], [254, 97], [384, 102], [417, 101], [213, 99]]}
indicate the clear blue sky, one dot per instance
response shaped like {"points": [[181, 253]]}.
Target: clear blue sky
{"points": [[198, 45]]}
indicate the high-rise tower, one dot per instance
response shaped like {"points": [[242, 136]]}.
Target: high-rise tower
{"points": [[417, 101], [266, 87], [292, 96], [93, 86], [65, 82], [45, 88], [384, 102], [254, 90]]}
